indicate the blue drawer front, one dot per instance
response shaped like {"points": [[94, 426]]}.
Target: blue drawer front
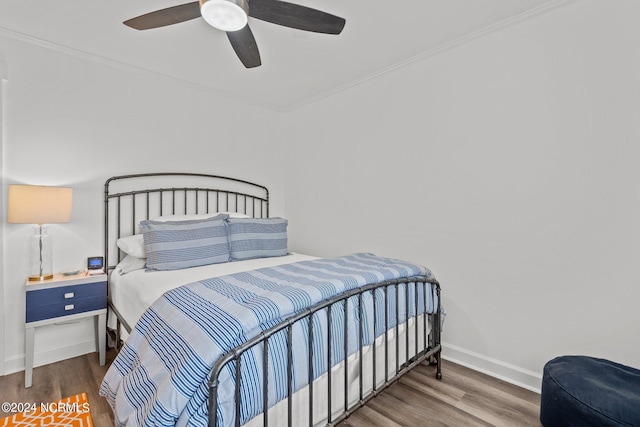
{"points": [[51, 303]]}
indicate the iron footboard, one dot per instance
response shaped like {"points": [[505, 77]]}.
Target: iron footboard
{"points": [[397, 339]]}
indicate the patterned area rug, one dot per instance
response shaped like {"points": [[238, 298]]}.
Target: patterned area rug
{"points": [[70, 412]]}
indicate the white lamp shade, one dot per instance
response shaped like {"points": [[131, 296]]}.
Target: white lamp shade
{"points": [[35, 204]]}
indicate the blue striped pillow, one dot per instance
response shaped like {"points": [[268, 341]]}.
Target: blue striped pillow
{"points": [[257, 238], [173, 245]]}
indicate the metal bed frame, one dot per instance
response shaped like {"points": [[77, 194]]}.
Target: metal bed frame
{"points": [[141, 198], [150, 195]]}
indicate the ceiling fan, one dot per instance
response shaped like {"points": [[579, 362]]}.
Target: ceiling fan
{"points": [[231, 16]]}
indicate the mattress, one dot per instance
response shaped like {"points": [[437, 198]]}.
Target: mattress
{"points": [[152, 286], [132, 293]]}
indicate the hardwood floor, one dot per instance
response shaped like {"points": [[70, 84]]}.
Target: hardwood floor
{"points": [[462, 398], [62, 379]]}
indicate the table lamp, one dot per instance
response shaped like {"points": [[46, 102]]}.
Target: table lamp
{"points": [[39, 205]]}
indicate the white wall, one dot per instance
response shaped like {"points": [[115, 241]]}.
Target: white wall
{"points": [[75, 122], [509, 166], [3, 77]]}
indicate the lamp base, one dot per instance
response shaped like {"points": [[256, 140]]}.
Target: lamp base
{"points": [[40, 255], [40, 278]]}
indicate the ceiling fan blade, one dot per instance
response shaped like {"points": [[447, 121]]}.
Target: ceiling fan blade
{"points": [[163, 17], [245, 46], [295, 16]]}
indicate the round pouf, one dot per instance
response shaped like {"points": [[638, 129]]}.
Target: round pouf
{"points": [[585, 391]]}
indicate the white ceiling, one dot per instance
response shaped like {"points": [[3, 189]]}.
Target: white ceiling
{"points": [[297, 66]]}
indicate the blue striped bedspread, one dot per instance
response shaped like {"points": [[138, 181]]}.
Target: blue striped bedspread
{"points": [[160, 377]]}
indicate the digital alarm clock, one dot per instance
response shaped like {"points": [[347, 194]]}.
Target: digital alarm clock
{"points": [[95, 263]]}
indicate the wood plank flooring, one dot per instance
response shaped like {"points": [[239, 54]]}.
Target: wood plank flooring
{"points": [[62, 379], [462, 398]]}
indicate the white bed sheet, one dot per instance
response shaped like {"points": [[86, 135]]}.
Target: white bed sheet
{"points": [[134, 292]]}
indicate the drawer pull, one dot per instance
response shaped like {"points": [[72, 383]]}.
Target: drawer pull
{"points": [[68, 307], [69, 295]]}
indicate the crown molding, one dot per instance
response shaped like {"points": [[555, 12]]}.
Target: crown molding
{"points": [[490, 29], [110, 62], [468, 38]]}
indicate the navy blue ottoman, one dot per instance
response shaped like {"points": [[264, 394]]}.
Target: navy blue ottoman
{"points": [[585, 391]]}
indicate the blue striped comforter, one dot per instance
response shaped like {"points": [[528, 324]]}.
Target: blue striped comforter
{"points": [[160, 376]]}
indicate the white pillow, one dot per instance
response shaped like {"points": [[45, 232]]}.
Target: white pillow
{"points": [[192, 217], [130, 263], [133, 245], [236, 214]]}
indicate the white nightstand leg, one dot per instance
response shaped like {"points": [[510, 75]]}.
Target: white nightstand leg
{"points": [[102, 336], [29, 347]]}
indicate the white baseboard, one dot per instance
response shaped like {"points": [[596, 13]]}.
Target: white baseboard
{"points": [[57, 354], [510, 373]]}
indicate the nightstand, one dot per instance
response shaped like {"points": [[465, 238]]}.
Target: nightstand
{"points": [[62, 299]]}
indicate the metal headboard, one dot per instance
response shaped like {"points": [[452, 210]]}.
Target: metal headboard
{"points": [[128, 199]]}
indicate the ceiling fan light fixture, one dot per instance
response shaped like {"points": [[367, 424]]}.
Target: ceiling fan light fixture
{"points": [[225, 15]]}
